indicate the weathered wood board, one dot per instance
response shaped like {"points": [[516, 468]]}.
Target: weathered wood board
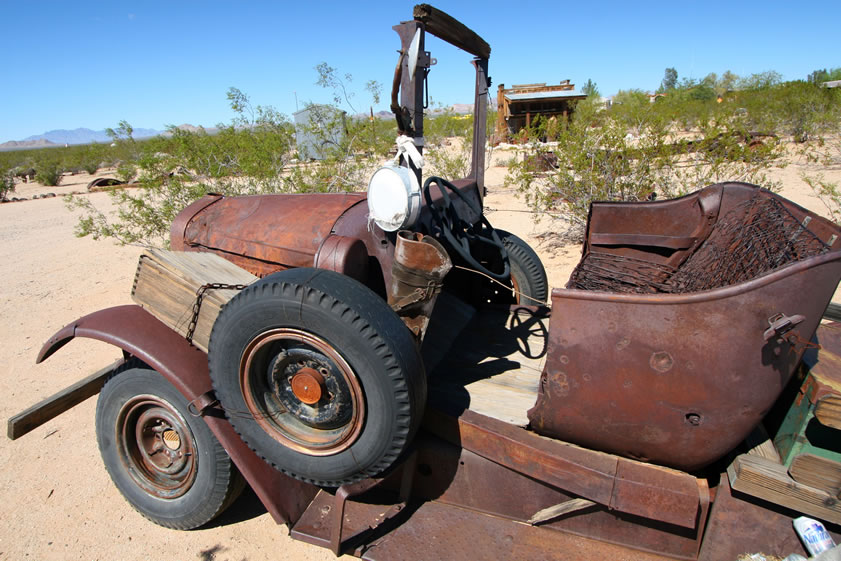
{"points": [[769, 480], [166, 283], [817, 471], [50, 408], [494, 365]]}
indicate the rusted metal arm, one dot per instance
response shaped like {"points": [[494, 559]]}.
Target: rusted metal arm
{"points": [[446, 27]]}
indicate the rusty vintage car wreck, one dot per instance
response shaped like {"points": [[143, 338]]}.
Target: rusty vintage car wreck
{"points": [[383, 398]]}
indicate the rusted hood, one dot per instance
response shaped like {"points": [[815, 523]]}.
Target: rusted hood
{"points": [[285, 230]]}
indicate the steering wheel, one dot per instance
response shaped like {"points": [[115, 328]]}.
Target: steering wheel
{"points": [[460, 233]]}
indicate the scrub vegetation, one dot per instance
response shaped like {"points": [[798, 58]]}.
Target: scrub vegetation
{"points": [[721, 128], [692, 134]]}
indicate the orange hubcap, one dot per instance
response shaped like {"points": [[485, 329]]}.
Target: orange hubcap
{"points": [[308, 385]]}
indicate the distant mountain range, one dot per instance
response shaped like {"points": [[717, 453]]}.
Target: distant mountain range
{"points": [[25, 144], [61, 137], [85, 136]]}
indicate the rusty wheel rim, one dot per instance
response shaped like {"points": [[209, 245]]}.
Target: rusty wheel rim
{"points": [[156, 446], [302, 392]]}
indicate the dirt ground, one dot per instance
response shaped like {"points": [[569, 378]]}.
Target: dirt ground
{"points": [[56, 500]]}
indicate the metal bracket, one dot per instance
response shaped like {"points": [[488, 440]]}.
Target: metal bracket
{"points": [[780, 324], [199, 406], [355, 489]]}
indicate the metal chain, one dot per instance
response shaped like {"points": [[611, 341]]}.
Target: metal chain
{"points": [[191, 329]]}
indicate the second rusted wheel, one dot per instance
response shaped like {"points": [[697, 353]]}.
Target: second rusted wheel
{"points": [[166, 462]]}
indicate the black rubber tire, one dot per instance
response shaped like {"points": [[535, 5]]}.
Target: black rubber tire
{"points": [[527, 270], [216, 482], [379, 353]]}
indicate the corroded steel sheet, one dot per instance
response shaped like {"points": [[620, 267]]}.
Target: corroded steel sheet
{"points": [[681, 379], [282, 231]]}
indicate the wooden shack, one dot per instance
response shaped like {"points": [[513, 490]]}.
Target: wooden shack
{"points": [[518, 106]]}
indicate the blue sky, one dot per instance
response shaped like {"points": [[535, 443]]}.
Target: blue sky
{"points": [[153, 63]]}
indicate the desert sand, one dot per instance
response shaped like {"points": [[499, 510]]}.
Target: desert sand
{"points": [[56, 500]]}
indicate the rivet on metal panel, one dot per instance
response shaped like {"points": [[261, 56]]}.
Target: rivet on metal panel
{"points": [[661, 361], [693, 419]]}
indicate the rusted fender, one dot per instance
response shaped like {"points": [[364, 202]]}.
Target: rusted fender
{"points": [[140, 334]]}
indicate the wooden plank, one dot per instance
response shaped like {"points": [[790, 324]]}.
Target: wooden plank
{"points": [[761, 445], [770, 481], [497, 361], [818, 472], [166, 283], [50, 408], [572, 505], [828, 411], [446, 27]]}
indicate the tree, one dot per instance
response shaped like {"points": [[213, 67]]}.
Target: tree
{"points": [[590, 89], [726, 82], [630, 97], [761, 80], [329, 78], [820, 76], [669, 80]]}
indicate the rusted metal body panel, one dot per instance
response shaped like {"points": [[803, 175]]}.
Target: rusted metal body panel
{"points": [[678, 379], [138, 333], [262, 233]]}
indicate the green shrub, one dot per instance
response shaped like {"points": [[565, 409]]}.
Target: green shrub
{"points": [[90, 166], [126, 171], [633, 151], [7, 182], [48, 173]]}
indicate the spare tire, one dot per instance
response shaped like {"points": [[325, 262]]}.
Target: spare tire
{"points": [[527, 272], [318, 375]]}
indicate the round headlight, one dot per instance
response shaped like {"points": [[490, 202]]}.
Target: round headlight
{"points": [[394, 198]]}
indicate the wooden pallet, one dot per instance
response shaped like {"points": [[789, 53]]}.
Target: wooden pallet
{"points": [[166, 283]]}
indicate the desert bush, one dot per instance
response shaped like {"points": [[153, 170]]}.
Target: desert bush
{"points": [[448, 151], [90, 166], [251, 155], [633, 152], [48, 173], [7, 182], [126, 171], [829, 194]]}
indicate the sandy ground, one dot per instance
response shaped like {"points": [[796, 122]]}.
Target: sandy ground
{"points": [[56, 500]]}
